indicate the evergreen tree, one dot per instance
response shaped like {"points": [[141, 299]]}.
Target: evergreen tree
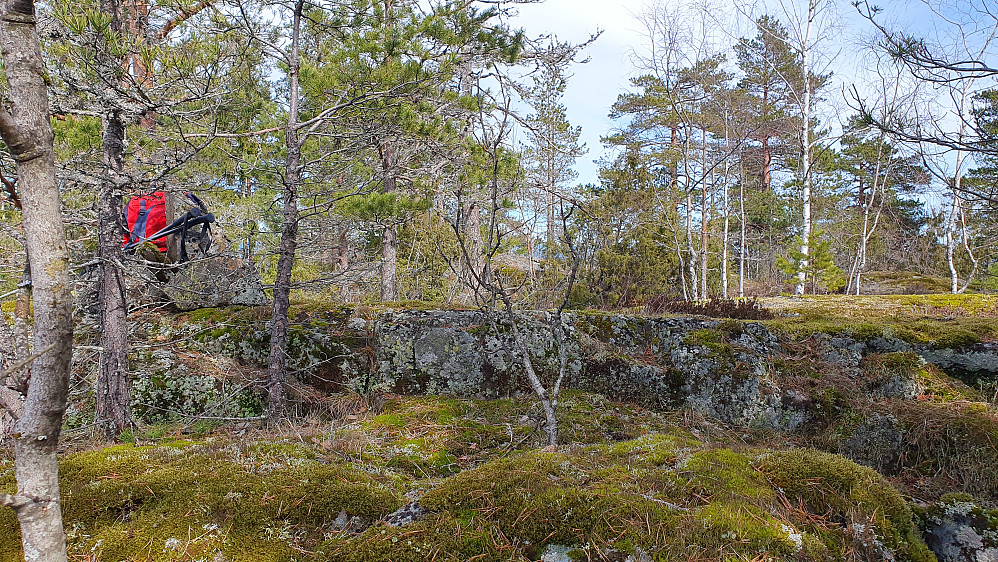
{"points": [[554, 146]]}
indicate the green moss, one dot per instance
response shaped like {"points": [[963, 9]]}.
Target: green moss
{"points": [[190, 501], [388, 420], [957, 338], [726, 475], [654, 449], [831, 484], [441, 537], [752, 529], [905, 364], [223, 314], [704, 337], [10, 536], [422, 457], [539, 498], [665, 492], [944, 321], [479, 330]]}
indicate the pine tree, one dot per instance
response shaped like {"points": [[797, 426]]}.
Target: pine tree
{"points": [[554, 147]]}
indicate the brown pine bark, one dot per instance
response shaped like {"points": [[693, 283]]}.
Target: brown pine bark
{"points": [[114, 387], [113, 383], [277, 363], [27, 132]]}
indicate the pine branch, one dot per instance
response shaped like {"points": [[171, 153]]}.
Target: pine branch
{"points": [[184, 16]]}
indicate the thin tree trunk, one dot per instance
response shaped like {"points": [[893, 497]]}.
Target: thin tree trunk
{"points": [[704, 221], [951, 230], [472, 228], [868, 229], [767, 151], [805, 244], [767, 164], [389, 239], [950, 244], [173, 240], [694, 294], [114, 388], [956, 206], [970, 253], [113, 392], [742, 250], [277, 363], [727, 213], [343, 249], [27, 132]]}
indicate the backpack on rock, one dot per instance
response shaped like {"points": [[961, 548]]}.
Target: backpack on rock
{"points": [[146, 219]]}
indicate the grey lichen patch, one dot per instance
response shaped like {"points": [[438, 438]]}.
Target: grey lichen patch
{"points": [[958, 529], [719, 368]]}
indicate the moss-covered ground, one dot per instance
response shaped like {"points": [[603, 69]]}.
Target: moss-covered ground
{"points": [[672, 485], [941, 320]]}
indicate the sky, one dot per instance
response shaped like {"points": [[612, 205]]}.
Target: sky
{"points": [[596, 84]]}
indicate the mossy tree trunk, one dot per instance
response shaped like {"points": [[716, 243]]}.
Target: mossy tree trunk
{"points": [[27, 132]]}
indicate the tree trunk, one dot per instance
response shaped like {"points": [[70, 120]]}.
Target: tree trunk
{"points": [[805, 243], [727, 213], [970, 252], [277, 363], [343, 249], [879, 184], [742, 250], [389, 239], [113, 392], [704, 222], [173, 240], [694, 294], [951, 244], [27, 132], [113, 385], [473, 245], [767, 164]]}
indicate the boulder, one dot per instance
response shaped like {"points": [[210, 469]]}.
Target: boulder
{"points": [[219, 278]]}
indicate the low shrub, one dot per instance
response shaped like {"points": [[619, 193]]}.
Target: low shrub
{"points": [[741, 309]]}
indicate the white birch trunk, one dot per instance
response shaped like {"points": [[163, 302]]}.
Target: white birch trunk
{"points": [[805, 236]]}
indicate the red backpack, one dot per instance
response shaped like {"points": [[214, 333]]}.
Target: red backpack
{"points": [[145, 216]]}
